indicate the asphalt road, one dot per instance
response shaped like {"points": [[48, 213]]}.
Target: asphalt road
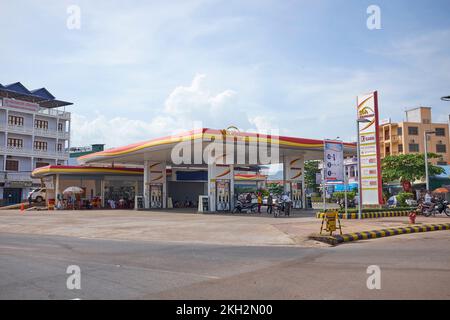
{"points": [[415, 266]]}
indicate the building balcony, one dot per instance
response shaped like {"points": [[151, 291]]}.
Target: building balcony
{"points": [[41, 153], [19, 129], [54, 113], [19, 151], [18, 176], [51, 133], [45, 132], [63, 135], [50, 154], [63, 154]]}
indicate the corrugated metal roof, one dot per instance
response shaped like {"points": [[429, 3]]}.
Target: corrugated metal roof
{"points": [[41, 96]]}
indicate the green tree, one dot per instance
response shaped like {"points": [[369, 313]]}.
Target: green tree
{"points": [[339, 196], [408, 167], [275, 188], [311, 168], [402, 197]]}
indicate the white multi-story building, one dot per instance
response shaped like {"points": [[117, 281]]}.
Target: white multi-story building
{"points": [[34, 132]]}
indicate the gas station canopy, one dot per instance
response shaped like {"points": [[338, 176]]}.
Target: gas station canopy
{"points": [[160, 149]]}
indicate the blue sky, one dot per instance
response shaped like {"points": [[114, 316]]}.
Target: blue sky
{"points": [[141, 69]]}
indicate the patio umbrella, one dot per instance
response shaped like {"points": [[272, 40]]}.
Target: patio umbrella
{"points": [[441, 190], [73, 190]]}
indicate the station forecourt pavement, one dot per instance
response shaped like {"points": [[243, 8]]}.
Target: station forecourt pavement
{"points": [[190, 227]]}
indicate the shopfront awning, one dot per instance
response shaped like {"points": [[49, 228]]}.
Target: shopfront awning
{"points": [[80, 170]]}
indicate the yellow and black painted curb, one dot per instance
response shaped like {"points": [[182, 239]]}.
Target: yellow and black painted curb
{"points": [[370, 215], [380, 233]]}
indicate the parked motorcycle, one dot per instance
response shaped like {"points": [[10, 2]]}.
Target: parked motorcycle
{"points": [[281, 206], [245, 207], [436, 206]]}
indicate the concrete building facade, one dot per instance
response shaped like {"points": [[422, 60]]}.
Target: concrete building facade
{"points": [[34, 132], [408, 136]]}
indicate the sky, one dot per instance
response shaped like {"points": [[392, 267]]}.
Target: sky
{"points": [[137, 70]]}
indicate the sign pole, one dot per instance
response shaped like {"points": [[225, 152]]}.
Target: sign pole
{"points": [[345, 182], [369, 168], [427, 179], [324, 189], [358, 155]]}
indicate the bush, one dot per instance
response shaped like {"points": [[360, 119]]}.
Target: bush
{"points": [[340, 195], [368, 210], [402, 197]]}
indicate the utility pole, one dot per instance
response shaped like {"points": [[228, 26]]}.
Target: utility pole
{"points": [[425, 140]]}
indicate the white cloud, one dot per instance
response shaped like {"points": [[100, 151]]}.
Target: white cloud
{"points": [[184, 108]]}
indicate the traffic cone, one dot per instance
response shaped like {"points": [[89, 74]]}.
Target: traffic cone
{"points": [[22, 207]]}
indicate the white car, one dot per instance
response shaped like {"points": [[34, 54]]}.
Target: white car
{"points": [[37, 195]]}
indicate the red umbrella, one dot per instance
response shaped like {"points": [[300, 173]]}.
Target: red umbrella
{"points": [[441, 190]]}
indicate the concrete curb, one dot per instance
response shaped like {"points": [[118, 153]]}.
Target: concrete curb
{"points": [[334, 240], [370, 215]]}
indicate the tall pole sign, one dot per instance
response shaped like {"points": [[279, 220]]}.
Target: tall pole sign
{"points": [[369, 158]]}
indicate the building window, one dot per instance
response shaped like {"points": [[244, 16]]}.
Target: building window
{"points": [[41, 124], [440, 132], [41, 164], [413, 147], [441, 148], [413, 131], [60, 127], [352, 171], [441, 163], [12, 165], [15, 120], [59, 147], [15, 143], [400, 148], [40, 145], [399, 131]]}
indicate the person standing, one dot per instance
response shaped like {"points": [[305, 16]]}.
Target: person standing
{"points": [[259, 202], [428, 197], [269, 204]]}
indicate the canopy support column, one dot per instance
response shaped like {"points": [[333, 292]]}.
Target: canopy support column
{"points": [[57, 192], [102, 192], [146, 188], [211, 188], [232, 203], [294, 179], [164, 185]]}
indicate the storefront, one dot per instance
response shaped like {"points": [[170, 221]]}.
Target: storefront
{"points": [[105, 187]]}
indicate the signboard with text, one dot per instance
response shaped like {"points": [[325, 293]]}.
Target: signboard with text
{"points": [[370, 171], [333, 161], [21, 105]]}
